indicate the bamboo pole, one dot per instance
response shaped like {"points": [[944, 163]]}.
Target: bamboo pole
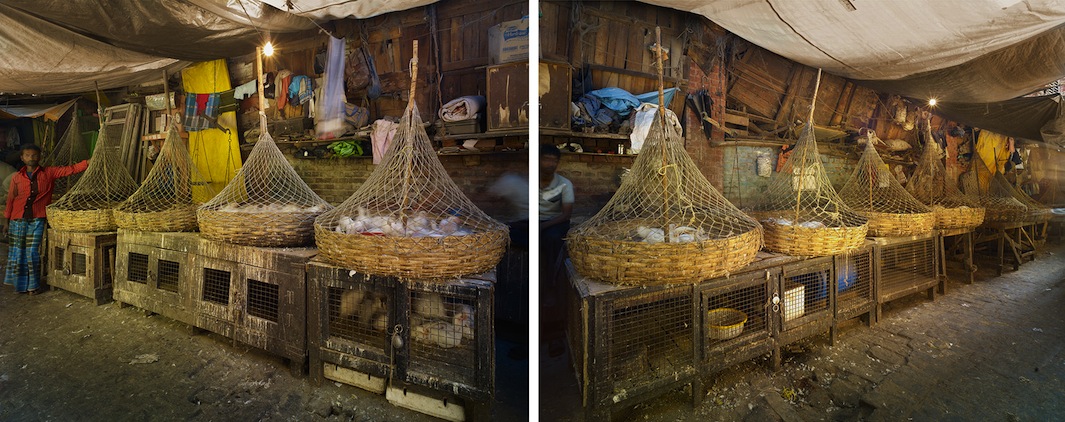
{"points": [[809, 127], [662, 114]]}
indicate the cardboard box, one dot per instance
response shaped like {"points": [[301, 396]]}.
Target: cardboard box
{"points": [[509, 42], [794, 300]]}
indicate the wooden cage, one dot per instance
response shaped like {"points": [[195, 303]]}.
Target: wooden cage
{"points": [[254, 295], [153, 273], [81, 263], [394, 336], [855, 283], [904, 266]]}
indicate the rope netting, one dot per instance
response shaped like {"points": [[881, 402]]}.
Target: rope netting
{"points": [[931, 185], [873, 192], [801, 212], [1035, 211], [665, 224], [169, 196], [88, 204], [1000, 205], [409, 218], [266, 204], [71, 149]]}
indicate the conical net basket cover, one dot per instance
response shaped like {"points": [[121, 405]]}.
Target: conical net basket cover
{"points": [[1035, 211], [409, 219], [666, 224], [169, 196], [931, 185], [873, 192], [70, 149], [801, 212], [266, 204], [999, 204], [88, 205]]}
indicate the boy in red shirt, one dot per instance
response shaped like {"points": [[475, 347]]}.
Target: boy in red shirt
{"points": [[30, 192]]}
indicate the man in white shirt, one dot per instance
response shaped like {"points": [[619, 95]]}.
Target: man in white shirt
{"points": [[556, 205]]}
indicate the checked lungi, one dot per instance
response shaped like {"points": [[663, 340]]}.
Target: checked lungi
{"points": [[24, 254]]}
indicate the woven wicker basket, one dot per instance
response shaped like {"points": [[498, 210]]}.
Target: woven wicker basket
{"points": [[803, 241], [177, 219], [958, 217], [428, 258], [641, 263], [258, 229], [1001, 215], [725, 323], [83, 221], [883, 224]]}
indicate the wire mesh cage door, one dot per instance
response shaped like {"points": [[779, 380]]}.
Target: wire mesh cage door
{"points": [[735, 315], [272, 312], [644, 343], [216, 303], [855, 279], [451, 344], [906, 267], [806, 294], [79, 263]]}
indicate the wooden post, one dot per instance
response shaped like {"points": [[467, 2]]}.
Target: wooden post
{"points": [[259, 81]]}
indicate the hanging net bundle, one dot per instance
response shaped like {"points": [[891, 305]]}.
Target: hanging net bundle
{"points": [[931, 185], [88, 204], [266, 204], [409, 219], [1000, 205], [873, 192], [169, 196], [801, 212], [71, 149], [666, 224]]}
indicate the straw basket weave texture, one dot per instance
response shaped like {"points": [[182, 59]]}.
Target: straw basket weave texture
{"points": [[258, 229], [427, 258], [958, 217], [635, 262], [884, 224], [180, 218], [85, 221], [804, 241]]}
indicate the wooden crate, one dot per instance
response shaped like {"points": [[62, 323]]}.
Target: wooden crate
{"points": [[904, 266], [630, 344], [555, 86], [81, 263], [807, 301], [254, 295], [507, 97], [153, 272], [855, 283], [365, 330]]}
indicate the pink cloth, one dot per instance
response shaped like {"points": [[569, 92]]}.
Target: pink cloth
{"points": [[381, 138]]}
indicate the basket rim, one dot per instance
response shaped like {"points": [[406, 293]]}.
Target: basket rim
{"points": [[728, 311]]}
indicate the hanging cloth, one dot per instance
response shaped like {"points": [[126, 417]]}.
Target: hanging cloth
{"points": [[994, 152], [329, 115], [215, 151]]}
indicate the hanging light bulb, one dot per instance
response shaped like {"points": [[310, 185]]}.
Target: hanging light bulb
{"points": [[932, 102], [268, 49]]}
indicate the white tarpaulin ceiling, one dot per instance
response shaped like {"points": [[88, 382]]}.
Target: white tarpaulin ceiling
{"points": [[975, 56], [67, 46]]}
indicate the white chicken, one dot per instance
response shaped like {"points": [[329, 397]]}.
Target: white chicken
{"points": [[350, 301], [463, 318], [429, 305], [651, 234]]}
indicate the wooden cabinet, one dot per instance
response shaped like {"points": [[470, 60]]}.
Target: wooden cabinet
{"points": [[555, 86], [508, 97]]}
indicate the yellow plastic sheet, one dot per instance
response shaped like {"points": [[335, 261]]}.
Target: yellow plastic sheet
{"points": [[994, 152], [215, 152]]}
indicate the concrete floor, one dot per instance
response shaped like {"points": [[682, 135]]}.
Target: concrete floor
{"points": [[64, 359], [992, 350]]}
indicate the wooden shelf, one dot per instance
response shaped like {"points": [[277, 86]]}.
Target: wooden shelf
{"points": [[483, 135], [571, 134], [601, 154]]}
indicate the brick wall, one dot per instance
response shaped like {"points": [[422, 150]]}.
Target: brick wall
{"points": [[595, 179], [744, 188], [336, 179]]}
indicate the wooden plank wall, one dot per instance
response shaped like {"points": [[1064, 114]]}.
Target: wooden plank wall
{"points": [[461, 48], [612, 40]]}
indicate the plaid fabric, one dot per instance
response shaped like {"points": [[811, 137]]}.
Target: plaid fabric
{"points": [[24, 254], [194, 119]]}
